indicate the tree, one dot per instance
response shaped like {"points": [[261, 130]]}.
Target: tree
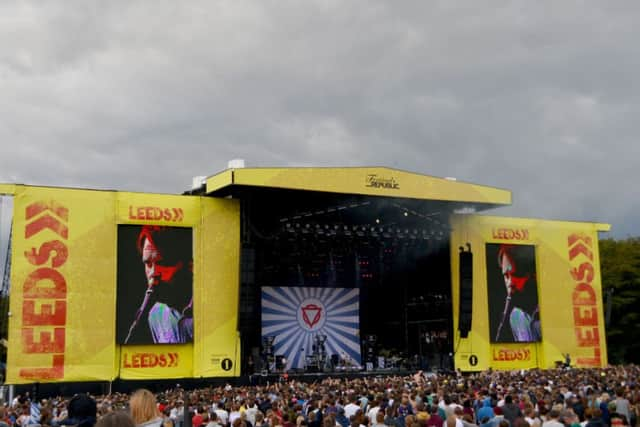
{"points": [[620, 271]]}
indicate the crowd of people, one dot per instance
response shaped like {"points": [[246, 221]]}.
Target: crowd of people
{"points": [[534, 398]]}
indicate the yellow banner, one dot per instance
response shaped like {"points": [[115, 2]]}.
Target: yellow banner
{"points": [[64, 297], [156, 361], [62, 286], [564, 318], [217, 350]]}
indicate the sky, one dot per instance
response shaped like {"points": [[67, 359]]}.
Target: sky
{"points": [[539, 97]]}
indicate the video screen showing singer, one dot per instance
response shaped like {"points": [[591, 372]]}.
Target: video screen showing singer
{"points": [[514, 313], [155, 285]]}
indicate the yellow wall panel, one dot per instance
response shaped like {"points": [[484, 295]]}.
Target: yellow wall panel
{"points": [[569, 293]]}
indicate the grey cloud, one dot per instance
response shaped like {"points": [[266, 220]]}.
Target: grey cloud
{"points": [[537, 97]]}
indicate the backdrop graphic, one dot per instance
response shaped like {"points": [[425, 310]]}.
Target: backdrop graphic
{"points": [[296, 315], [155, 285], [514, 312]]}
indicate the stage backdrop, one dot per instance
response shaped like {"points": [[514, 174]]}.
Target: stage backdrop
{"points": [[552, 269], [295, 315], [64, 294]]}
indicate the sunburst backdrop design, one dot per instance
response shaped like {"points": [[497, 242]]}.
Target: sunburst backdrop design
{"points": [[295, 315]]}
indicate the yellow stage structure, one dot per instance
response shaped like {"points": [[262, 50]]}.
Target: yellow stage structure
{"points": [[64, 270]]}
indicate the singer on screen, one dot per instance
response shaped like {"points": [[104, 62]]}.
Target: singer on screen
{"points": [[155, 297], [519, 317]]}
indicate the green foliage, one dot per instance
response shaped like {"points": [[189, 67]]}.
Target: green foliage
{"points": [[620, 270]]}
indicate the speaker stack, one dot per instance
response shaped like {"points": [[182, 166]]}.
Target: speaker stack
{"points": [[465, 306]]}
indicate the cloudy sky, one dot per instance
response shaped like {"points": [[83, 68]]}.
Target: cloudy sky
{"points": [[539, 97]]}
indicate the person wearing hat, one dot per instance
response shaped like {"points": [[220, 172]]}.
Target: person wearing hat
{"points": [[82, 410]]}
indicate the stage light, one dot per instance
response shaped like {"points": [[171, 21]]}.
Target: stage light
{"points": [[406, 213], [377, 221]]}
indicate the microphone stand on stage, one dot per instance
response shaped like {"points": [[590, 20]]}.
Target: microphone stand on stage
{"points": [[143, 306], [507, 304]]}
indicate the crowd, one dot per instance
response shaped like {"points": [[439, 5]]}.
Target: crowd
{"points": [[534, 398]]}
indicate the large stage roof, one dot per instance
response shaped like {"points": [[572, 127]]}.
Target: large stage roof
{"points": [[366, 181]]}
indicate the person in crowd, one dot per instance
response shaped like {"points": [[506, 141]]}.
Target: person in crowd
{"points": [[486, 412], [212, 420], [116, 419], [596, 419], [467, 421], [531, 418], [341, 418], [4, 419], [82, 411], [553, 419], [603, 405], [144, 409], [622, 405], [176, 413], [510, 410]]}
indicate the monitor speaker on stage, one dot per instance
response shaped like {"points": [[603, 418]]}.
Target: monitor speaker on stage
{"points": [[465, 312]]}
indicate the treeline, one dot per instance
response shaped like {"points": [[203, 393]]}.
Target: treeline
{"points": [[620, 270]]}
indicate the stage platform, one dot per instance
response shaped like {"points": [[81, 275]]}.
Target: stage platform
{"points": [[259, 379]]}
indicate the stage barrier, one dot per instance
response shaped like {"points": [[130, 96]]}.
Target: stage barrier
{"points": [[68, 268], [537, 295]]}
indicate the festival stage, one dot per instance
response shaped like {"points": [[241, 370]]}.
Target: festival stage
{"points": [[297, 270]]}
